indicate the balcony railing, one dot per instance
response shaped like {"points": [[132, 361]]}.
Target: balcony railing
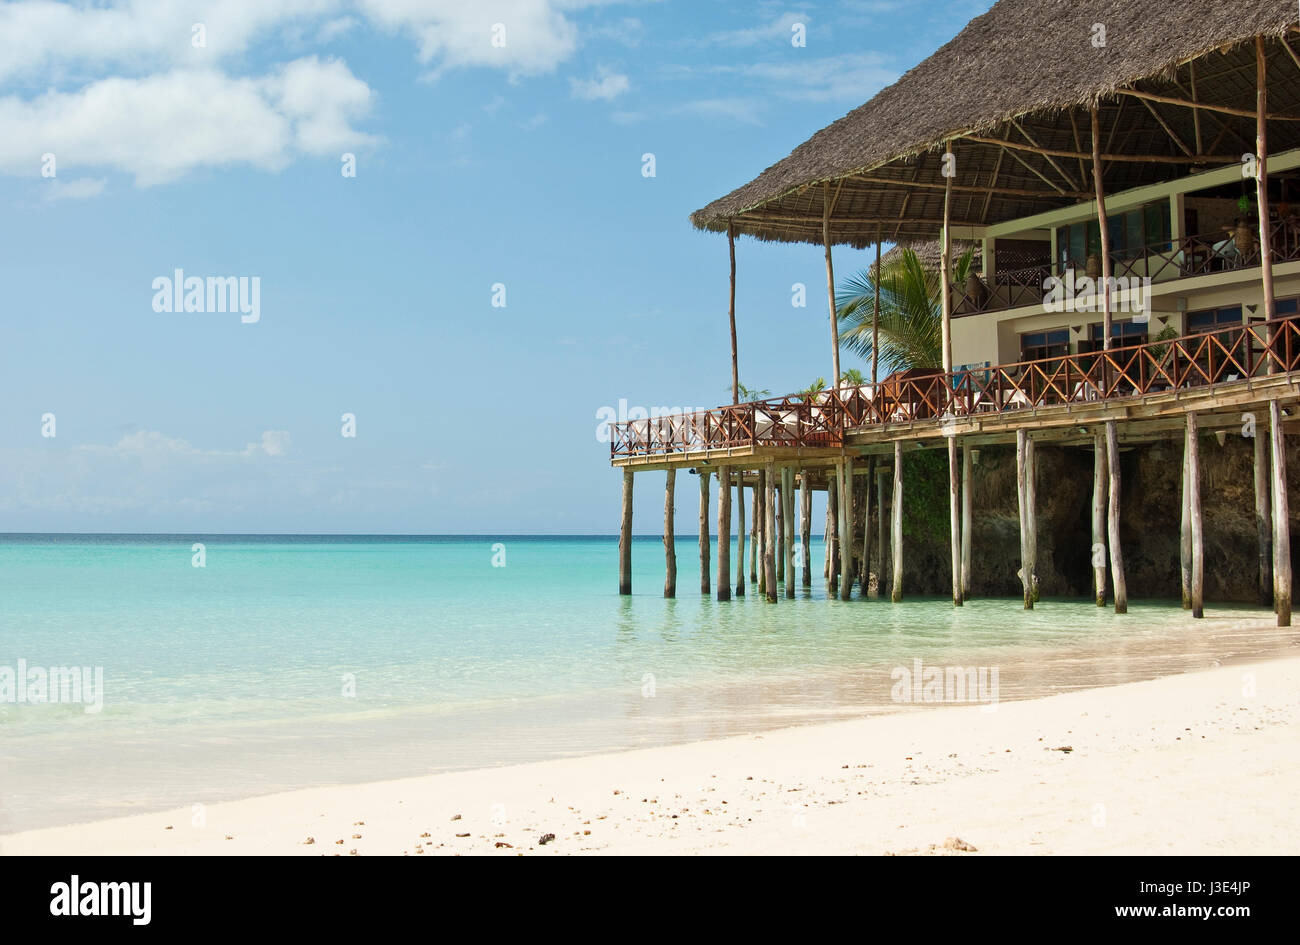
{"points": [[1162, 261], [821, 420]]}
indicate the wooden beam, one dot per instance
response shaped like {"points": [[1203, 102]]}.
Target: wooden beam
{"points": [[1196, 113], [880, 532], [1022, 497], [741, 537], [760, 522], [1103, 223], [1263, 518], [625, 537], [1120, 158], [670, 546], [755, 531], [724, 533], [1112, 520], [975, 188], [1194, 510], [1099, 520], [1168, 130], [1281, 519], [830, 288], [769, 536], [705, 586], [1185, 527], [805, 527], [780, 526], [1057, 188], [845, 472], [1030, 138], [954, 522], [864, 572], [967, 503], [896, 539], [1261, 180], [1202, 106], [787, 514], [832, 529]]}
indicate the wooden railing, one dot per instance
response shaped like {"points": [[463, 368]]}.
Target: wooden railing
{"points": [[1222, 356]]}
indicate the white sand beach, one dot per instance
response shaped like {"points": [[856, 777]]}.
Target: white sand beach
{"points": [[1201, 763]]}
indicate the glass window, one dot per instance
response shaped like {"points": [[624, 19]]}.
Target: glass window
{"points": [[1133, 233], [1127, 332], [1212, 319], [1287, 307], [1037, 345]]}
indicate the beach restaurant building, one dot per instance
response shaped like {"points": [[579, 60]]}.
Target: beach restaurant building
{"points": [[1126, 177]]}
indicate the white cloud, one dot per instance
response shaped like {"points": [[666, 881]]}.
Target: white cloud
{"points": [[605, 86], [852, 77], [160, 127], [776, 30]]}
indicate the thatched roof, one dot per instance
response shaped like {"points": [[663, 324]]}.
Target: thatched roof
{"points": [[1026, 73]]}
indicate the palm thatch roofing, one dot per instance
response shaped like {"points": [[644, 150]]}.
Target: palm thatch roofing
{"points": [[1019, 81]]}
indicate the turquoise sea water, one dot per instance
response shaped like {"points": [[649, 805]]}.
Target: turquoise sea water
{"points": [[229, 680]]}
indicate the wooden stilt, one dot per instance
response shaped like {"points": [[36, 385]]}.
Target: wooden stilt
{"points": [[1281, 518], [787, 514], [670, 541], [1263, 518], [864, 572], [1099, 519], [967, 503], [954, 521], [705, 585], [1103, 223], [1022, 476], [830, 286], [805, 526], [1031, 512], [769, 534], [882, 583], [1261, 185], [896, 539], [760, 519], [741, 536], [780, 526], [755, 530], [1112, 519], [625, 537], [832, 531], [846, 528], [1185, 523], [724, 533], [1194, 512]]}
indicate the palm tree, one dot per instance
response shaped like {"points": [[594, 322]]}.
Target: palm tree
{"points": [[852, 378], [910, 332], [813, 389], [748, 394]]}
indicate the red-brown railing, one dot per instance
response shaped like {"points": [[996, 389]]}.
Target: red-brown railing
{"points": [[817, 420]]}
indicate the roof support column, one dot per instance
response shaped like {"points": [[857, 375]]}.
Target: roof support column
{"points": [[731, 314], [1261, 180], [830, 286]]}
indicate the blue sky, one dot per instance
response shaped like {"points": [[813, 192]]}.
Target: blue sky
{"points": [[476, 164]]}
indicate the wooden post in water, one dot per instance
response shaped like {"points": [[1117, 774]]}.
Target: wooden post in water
{"points": [[780, 525], [1263, 518], [760, 522], [1099, 519], [787, 514], [1185, 523], [1022, 494], [864, 573], [705, 584], [1194, 513], [1281, 518], [967, 502], [1031, 512], [881, 583], [805, 526], [756, 530], [1112, 519], [846, 528], [896, 538], [724, 533], [954, 521], [625, 537], [741, 536], [670, 542], [832, 526], [769, 534]]}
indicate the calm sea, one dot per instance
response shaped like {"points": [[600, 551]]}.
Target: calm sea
{"points": [[291, 661]]}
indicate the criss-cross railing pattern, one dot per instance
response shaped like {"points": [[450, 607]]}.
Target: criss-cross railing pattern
{"points": [[818, 420]]}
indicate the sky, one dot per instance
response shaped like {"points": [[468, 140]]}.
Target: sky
{"points": [[445, 214]]}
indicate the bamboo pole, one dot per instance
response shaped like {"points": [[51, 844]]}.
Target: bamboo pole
{"points": [[705, 585], [741, 537], [1263, 519], [875, 325], [896, 539], [945, 277], [954, 521], [1099, 519], [864, 572], [1185, 524], [625, 537], [724, 533], [830, 286], [787, 514], [670, 540], [780, 526], [832, 535], [1022, 482], [1104, 223], [760, 520], [805, 527], [1112, 519], [731, 313], [967, 505], [1031, 512], [769, 534], [1261, 191], [1194, 511], [755, 530], [1281, 518], [881, 583], [846, 528]]}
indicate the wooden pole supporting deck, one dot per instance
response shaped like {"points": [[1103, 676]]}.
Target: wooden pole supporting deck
{"points": [[787, 513], [967, 506], [954, 521], [769, 534], [1104, 224], [1281, 518], [625, 537], [832, 545], [1099, 519], [1185, 526], [724, 533], [755, 530], [945, 271], [1261, 185], [830, 286], [881, 583], [846, 528], [705, 585], [1263, 518], [670, 541], [1194, 514], [896, 539], [805, 527], [1031, 512], [864, 572], [1112, 519], [760, 522], [1022, 494], [780, 525], [741, 536]]}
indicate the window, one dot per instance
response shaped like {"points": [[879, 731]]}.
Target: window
{"points": [[1212, 319], [1287, 307], [1123, 333], [1133, 235], [1036, 345]]}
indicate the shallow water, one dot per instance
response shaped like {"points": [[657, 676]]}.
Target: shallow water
{"points": [[231, 679]]}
